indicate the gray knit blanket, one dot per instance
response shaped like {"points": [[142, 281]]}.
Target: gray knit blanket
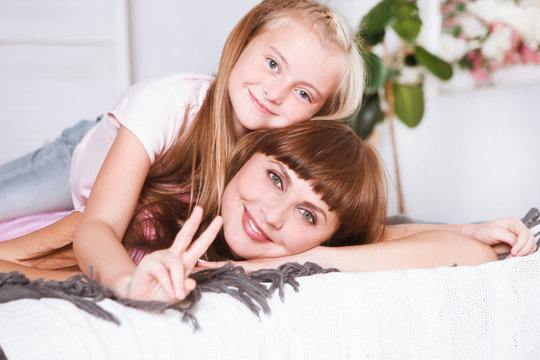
{"points": [[251, 289]]}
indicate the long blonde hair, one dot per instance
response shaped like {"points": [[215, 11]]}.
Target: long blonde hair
{"points": [[196, 162]]}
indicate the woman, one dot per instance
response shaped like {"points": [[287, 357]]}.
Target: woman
{"points": [[288, 191]]}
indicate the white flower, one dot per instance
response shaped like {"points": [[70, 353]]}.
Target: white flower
{"points": [[410, 75], [451, 48], [471, 27], [497, 43], [524, 17]]}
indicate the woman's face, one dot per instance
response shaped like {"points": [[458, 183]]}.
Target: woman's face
{"points": [[268, 211]]}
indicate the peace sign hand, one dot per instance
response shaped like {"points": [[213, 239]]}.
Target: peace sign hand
{"points": [[164, 274]]}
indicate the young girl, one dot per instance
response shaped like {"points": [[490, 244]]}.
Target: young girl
{"points": [[288, 191], [285, 62]]}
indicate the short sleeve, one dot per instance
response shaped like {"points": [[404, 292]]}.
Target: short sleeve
{"points": [[157, 110]]}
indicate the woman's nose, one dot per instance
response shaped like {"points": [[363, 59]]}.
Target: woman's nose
{"points": [[274, 211]]}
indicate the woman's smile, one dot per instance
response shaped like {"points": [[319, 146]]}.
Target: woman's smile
{"points": [[269, 211], [252, 229]]}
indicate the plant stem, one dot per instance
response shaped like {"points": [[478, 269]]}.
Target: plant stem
{"points": [[389, 94]]}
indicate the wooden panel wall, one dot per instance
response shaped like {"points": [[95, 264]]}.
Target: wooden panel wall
{"points": [[60, 61]]}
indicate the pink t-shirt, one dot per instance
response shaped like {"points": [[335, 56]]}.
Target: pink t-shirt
{"points": [[156, 111]]}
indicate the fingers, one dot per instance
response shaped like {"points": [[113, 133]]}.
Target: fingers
{"points": [[210, 264], [501, 248], [526, 243], [185, 235], [199, 247]]}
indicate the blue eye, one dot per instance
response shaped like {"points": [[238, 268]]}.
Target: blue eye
{"points": [[272, 64], [275, 179], [304, 95], [308, 215]]}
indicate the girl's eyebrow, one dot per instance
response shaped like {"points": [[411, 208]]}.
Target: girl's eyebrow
{"points": [[284, 61], [285, 171]]}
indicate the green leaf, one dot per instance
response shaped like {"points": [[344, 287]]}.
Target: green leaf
{"points": [[409, 103], [408, 29], [370, 114], [377, 18], [434, 64], [376, 73], [406, 10]]}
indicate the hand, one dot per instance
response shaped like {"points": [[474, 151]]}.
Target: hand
{"points": [[504, 235], [164, 274]]}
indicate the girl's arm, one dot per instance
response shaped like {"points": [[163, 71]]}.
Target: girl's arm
{"points": [[503, 235], [109, 209], [420, 250]]}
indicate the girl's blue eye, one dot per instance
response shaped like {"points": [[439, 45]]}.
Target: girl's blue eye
{"points": [[275, 179], [308, 215], [272, 64], [304, 95]]}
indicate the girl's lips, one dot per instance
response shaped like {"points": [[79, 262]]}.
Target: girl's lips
{"points": [[258, 105], [252, 230]]}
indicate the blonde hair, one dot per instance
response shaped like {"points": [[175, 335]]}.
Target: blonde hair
{"points": [[196, 162]]}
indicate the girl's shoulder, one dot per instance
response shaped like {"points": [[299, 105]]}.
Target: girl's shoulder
{"points": [[178, 84]]}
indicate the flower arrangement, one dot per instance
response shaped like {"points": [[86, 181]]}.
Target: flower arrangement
{"points": [[486, 35]]}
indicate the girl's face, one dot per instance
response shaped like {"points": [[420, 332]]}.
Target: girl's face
{"points": [[268, 211], [283, 76]]}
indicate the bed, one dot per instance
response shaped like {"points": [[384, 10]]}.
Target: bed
{"points": [[490, 311]]}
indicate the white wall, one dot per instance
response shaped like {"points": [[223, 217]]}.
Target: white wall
{"points": [[455, 167]]}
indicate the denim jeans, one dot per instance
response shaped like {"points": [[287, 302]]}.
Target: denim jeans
{"points": [[39, 181]]}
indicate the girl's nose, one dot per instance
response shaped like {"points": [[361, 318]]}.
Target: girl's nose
{"points": [[274, 90]]}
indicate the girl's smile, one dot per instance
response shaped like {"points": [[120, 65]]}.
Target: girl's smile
{"points": [[283, 76], [258, 105]]}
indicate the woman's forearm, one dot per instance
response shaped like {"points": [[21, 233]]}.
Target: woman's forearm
{"points": [[393, 232], [36, 273], [420, 250]]}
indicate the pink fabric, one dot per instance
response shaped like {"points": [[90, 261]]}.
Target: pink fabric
{"points": [[10, 229], [156, 111]]}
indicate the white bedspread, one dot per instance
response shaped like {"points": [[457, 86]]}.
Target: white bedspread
{"points": [[486, 312]]}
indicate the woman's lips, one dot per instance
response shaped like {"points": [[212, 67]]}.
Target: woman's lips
{"points": [[258, 105], [252, 230]]}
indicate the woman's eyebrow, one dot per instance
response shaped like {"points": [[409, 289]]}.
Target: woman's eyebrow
{"points": [[317, 209], [285, 171]]}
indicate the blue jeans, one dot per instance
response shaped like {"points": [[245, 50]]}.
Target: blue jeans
{"points": [[39, 181]]}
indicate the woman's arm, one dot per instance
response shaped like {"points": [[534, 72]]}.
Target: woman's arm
{"points": [[109, 210], [19, 254], [503, 235], [420, 250], [36, 273]]}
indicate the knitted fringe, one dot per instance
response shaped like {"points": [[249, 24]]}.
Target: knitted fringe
{"points": [[252, 289]]}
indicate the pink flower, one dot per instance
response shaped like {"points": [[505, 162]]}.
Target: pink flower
{"points": [[528, 56], [480, 75]]}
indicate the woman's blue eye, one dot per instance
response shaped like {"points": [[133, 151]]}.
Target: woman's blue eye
{"points": [[275, 179], [308, 215], [304, 95], [272, 64]]}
